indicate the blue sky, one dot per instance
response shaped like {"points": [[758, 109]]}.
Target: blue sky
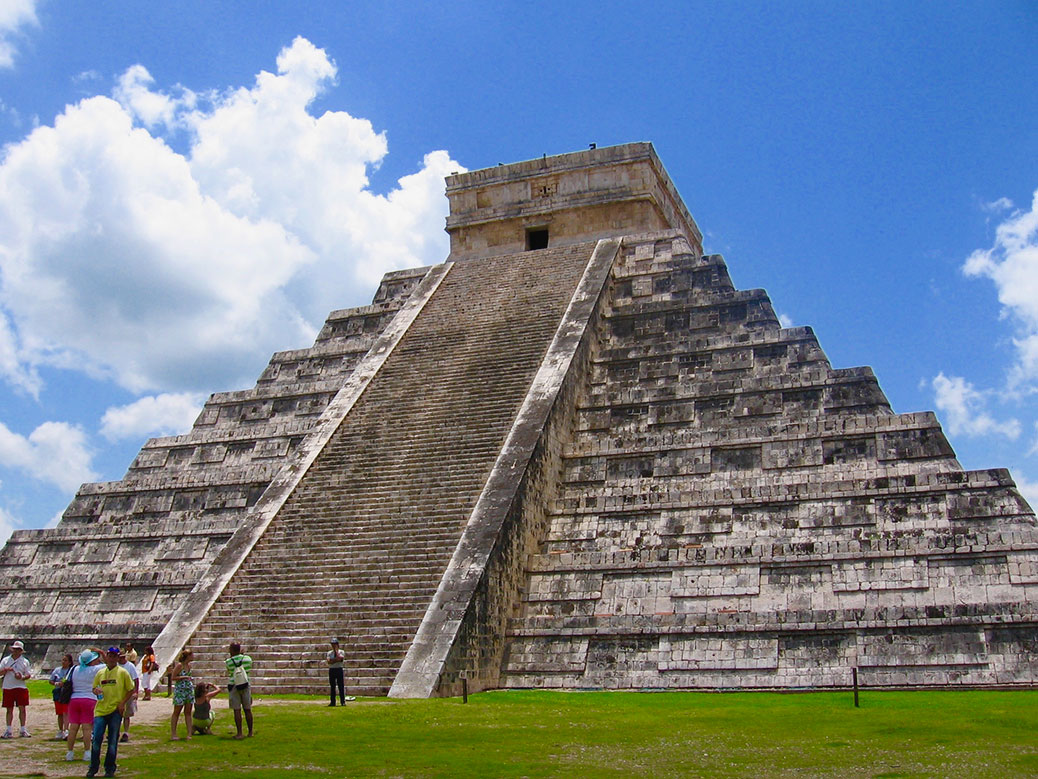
{"points": [[185, 188]]}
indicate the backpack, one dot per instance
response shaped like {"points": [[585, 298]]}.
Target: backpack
{"points": [[65, 691], [239, 677]]}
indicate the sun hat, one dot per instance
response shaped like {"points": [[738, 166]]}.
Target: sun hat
{"points": [[17, 645], [87, 656]]}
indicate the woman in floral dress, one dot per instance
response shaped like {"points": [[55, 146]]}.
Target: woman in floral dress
{"points": [[183, 694]]}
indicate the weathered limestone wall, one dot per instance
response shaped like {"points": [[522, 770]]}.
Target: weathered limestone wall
{"points": [[736, 513]]}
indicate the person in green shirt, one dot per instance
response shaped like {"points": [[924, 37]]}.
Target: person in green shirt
{"points": [[113, 688], [239, 694]]}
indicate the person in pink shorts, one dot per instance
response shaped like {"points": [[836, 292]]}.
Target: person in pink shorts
{"points": [[81, 707]]}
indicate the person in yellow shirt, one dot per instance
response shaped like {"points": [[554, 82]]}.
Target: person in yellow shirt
{"points": [[113, 688]]}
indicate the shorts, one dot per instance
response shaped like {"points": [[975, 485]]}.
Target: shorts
{"points": [[129, 708], [204, 723], [81, 711], [60, 708], [239, 699], [146, 681], [16, 696]]}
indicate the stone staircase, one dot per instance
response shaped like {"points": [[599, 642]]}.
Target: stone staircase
{"points": [[358, 549], [127, 552], [734, 512]]}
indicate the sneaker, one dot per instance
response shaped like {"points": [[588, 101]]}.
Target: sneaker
{"points": [[26, 733], [60, 736], [70, 756], [351, 697], [125, 738], [7, 734], [86, 757]]}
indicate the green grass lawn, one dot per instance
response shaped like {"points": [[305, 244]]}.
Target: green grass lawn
{"points": [[942, 733]]}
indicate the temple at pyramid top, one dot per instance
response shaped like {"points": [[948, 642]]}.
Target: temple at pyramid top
{"points": [[573, 455], [564, 199]]}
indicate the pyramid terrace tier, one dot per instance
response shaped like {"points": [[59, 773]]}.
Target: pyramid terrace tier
{"points": [[898, 652], [163, 460]]}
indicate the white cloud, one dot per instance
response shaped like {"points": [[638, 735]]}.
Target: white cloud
{"points": [[998, 206], [54, 452], [1027, 488], [135, 94], [14, 14], [962, 406], [125, 259], [166, 414], [1012, 264], [784, 319], [21, 377], [12, 114], [8, 524]]}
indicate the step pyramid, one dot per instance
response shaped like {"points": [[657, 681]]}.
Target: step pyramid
{"points": [[571, 456]]}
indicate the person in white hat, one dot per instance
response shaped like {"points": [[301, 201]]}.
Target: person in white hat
{"points": [[16, 672]]}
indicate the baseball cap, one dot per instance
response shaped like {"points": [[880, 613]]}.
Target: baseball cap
{"points": [[113, 650]]}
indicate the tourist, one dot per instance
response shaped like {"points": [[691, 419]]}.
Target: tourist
{"points": [[203, 717], [183, 694], [335, 674], [131, 653], [113, 688], [239, 694], [149, 673], [57, 679], [16, 672], [81, 707], [131, 705]]}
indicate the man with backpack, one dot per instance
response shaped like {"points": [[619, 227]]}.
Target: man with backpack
{"points": [[239, 694]]}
